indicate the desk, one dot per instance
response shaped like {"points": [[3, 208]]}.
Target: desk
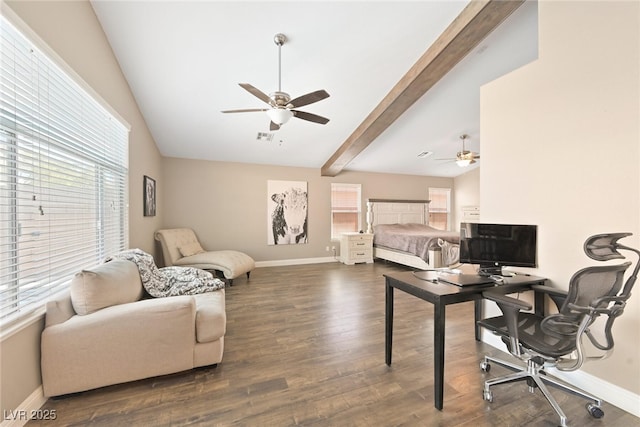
{"points": [[441, 294]]}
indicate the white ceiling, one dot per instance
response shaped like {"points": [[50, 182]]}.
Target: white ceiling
{"points": [[184, 60]]}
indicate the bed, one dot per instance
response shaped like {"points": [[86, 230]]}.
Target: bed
{"points": [[401, 234]]}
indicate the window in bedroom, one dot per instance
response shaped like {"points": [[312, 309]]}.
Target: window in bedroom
{"points": [[345, 209], [63, 177], [440, 208]]}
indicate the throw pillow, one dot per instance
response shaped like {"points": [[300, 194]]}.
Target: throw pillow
{"points": [[112, 283], [189, 249]]}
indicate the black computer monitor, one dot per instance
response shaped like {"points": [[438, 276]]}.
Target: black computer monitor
{"points": [[494, 246]]}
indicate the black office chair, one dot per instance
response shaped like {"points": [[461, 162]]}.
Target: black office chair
{"points": [[556, 340]]}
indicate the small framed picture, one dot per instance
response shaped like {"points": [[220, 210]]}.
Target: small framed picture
{"points": [[149, 196]]}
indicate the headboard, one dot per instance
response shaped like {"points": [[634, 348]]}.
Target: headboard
{"points": [[393, 211]]}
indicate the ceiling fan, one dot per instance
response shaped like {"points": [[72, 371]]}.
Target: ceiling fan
{"points": [[281, 106], [464, 158]]}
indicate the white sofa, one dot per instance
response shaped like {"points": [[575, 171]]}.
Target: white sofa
{"points": [[104, 331]]}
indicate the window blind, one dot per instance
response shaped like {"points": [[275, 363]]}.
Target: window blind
{"points": [[345, 208], [439, 207], [63, 177], [439, 199]]}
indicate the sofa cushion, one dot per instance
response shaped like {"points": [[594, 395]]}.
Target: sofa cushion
{"points": [[191, 248], [211, 318], [111, 283]]}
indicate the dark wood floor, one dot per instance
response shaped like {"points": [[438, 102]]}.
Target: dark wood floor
{"points": [[305, 346]]}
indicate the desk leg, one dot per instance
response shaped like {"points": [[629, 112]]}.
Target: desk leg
{"points": [[478, 316], [388, 322], [438, 345], [539, 303]]}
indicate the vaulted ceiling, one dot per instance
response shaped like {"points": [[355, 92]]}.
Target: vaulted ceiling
{"points": [[184, 60]]}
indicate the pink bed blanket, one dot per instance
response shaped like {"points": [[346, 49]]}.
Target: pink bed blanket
{"points": [[415, 239]]}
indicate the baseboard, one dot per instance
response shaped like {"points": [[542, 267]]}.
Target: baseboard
{"points": [[616, 396], [27, 410], [297, 261]]}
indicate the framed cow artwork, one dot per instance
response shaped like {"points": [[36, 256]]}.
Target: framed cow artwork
{"points": [[287, 203]]}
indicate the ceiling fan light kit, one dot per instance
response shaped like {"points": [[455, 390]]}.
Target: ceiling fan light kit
{"points": [[280, 103], [279, 116]]}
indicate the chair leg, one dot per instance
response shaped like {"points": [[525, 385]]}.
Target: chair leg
{"points": [[516, 376], [248, 274], [561, 385], [534, 373], [550, 398], [504, 363]]}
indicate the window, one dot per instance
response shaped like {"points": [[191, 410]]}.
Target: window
{"points": [[63, 178], [345, 209], [439, 208]]}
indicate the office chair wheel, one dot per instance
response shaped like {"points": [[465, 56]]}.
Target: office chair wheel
{"points": [[485, 366], [487, 395], [595, 411]]}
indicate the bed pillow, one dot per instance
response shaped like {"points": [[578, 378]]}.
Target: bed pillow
{"points": [[112, 283], [189, 249]]}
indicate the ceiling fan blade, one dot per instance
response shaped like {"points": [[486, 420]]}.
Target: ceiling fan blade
{"points": [[274, 126], [309, 98], [245, 110], [256, 92], [310, 117]]}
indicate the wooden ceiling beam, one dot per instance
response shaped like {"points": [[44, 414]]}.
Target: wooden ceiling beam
{"points": [[469, 28]]}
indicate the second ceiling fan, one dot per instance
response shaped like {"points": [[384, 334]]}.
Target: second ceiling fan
{"points": [[281, 106], [464, 158]]}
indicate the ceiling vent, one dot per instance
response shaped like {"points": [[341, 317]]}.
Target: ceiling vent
{"points": [[264, 136]]}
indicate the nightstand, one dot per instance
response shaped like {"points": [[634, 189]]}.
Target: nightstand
{"points": [[356, 247]]}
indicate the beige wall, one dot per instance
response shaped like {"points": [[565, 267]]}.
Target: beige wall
{"points": [[72, 31], [561, 149], [226, 203]]}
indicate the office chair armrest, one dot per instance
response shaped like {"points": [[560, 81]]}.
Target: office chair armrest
{"points": [[510, 308], [558, 296], [549, 290], [500, 298]]}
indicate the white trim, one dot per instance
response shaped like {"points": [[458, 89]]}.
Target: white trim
{"points": [[19, 417], [22, 322], [34, 38], [297, 261], [36, 314], [616, 396]]}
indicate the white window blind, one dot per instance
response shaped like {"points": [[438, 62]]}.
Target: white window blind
{"points": [[439, 207], [63, 178], [345, 208]]}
